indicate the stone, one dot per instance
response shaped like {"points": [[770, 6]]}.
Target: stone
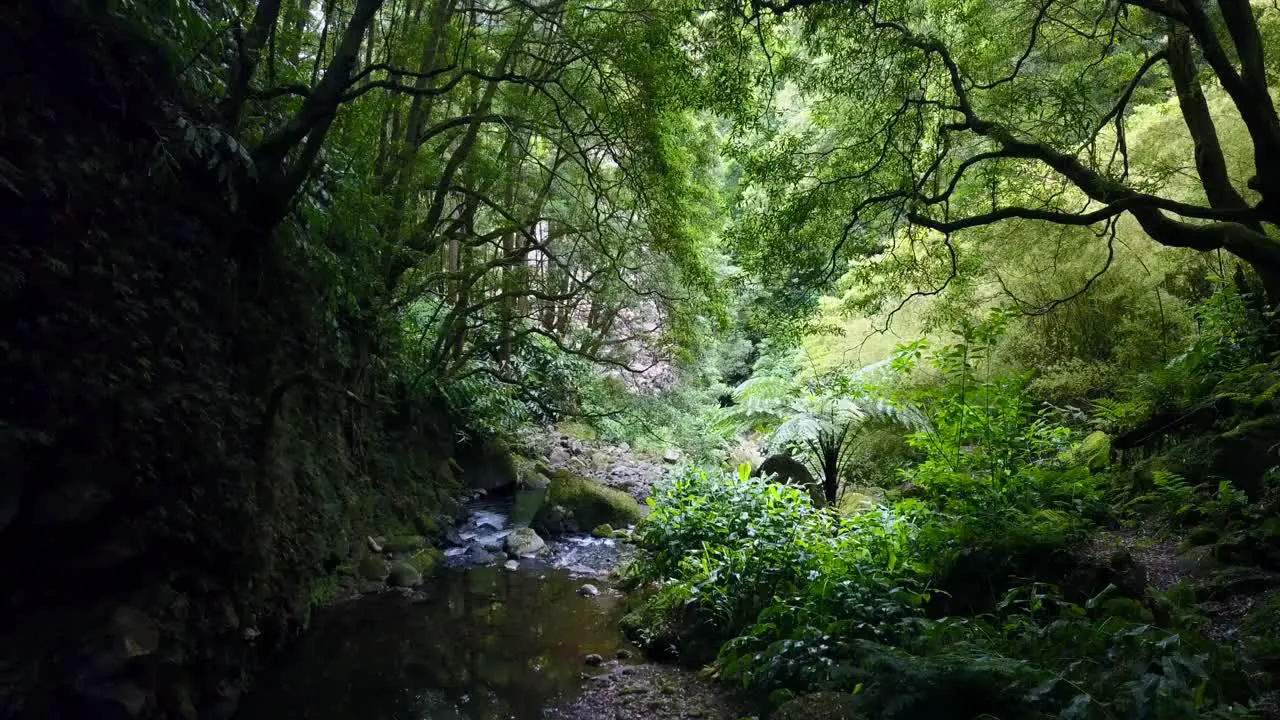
{"points": [[404, 544], [588, 590], [786, 470], [671, 457], [512, 565], [374, 546], [524, 542], [137, 634], [426, 561], [594, 660], [404, 575], [372, 569], [820, 706], [603, 530], [623, 448], [576, 502], [487, 464], [477, 555]]}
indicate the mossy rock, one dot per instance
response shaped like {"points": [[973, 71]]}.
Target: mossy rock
{"points": [[404, 544], [426, 561], [820, 706], [372, 569], [854, 503], [590, 503], [603, 530], [404, 575]]}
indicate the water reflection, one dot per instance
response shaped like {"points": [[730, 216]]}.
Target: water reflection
{"points": [[489, 644]]}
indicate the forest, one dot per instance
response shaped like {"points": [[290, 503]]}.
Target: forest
{"points": [[906, 358]]}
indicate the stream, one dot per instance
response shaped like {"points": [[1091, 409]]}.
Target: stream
{"points": [[485, 639]]}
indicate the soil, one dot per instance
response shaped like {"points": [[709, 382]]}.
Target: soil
{"points": [[654, 692]]}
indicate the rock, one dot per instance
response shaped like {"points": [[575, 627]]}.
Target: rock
{"points": [[537, 481], [594, 660], [369, 587], [426, 561], [789, 471], [453, 537], [603, 530], [623, 448], [404, 575], [512, 565], [559, 456], [584, 504], [401, 544], [427, 524], [488, 464], [136, 634], [671, 457], [477, 555], [786, 470], [372, 569], [588, 590], [374, 546], [250, 634], [820, 706], [623, 654], [524, 542]]}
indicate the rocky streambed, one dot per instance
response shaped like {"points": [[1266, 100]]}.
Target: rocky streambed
{"points": [[514, 626]]}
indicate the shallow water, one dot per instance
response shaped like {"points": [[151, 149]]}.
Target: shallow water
{"points": [[486, 643]]}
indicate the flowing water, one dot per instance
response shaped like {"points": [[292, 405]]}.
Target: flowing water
{"points": [[481, 642]]}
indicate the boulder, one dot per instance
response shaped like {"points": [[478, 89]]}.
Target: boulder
{"points": [[603, 530], [671, 457], [575, 501], [404, 575], [136, 634], [588, 590], [789, 471], [477, 555], [512, 565], [524, 542], [786, 470], [426, 561], [488, 465], [594, 660], [404, 544], [372, 569], [820, 706]]}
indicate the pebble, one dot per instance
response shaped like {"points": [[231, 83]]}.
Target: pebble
{"points": [[512, 565], [588, 590]]}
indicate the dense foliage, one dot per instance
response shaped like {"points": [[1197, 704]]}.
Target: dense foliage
{"points": [[1003, 275]]}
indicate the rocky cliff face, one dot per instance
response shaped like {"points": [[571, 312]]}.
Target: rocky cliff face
{"points": [[189, 444]]}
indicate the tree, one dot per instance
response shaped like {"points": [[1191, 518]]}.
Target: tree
{"points": [[925, 121], [821, 418]]}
